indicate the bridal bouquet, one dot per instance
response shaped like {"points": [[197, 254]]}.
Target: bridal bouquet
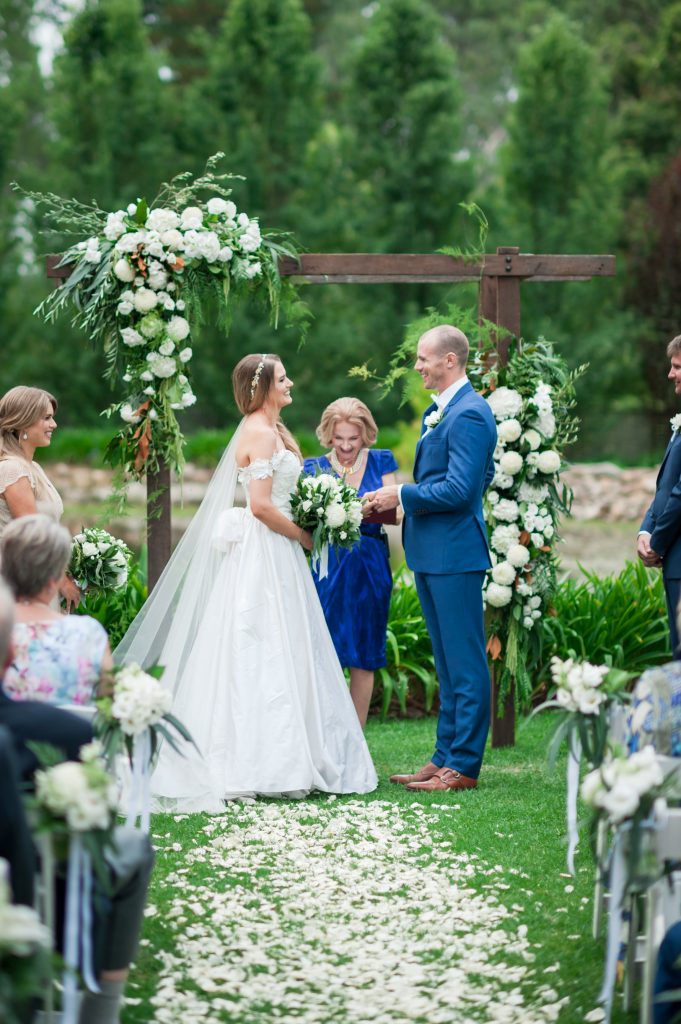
{"points": [[99, 561], [330, 510]]}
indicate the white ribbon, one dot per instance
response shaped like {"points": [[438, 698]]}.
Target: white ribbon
{"points": [[77, 928], [614, 925], [139, 803], [574, 757], [320, 561]]}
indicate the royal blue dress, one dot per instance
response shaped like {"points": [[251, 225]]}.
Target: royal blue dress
{"points": [[355, 595]]}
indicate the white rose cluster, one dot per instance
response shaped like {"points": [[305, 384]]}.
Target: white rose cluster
{"points": [[79, 792], [21, 930], [329, 509], [100, 561], [578, 685], [139, 700], [616, 787]]}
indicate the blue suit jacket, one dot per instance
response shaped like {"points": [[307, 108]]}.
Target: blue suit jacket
{"points": [[663, 518], [444, 530]]}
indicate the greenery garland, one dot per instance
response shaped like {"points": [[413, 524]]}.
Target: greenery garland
{"points": [[139, 280]]}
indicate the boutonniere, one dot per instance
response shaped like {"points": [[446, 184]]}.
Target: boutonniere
{"points": [[676, 423], [434, 417]]}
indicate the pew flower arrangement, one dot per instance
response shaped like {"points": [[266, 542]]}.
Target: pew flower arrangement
{"points": [[24, 962]]}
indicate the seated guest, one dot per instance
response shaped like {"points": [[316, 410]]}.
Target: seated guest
{"points": [[668, 978], [654, 717], [59, 659], [118, 911]]}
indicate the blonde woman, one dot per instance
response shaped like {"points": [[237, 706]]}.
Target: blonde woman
{"points": [[355, 595], [27, 423], [237, 624]]}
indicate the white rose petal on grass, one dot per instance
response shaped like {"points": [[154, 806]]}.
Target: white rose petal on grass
{"points": [[511, 463], [509, 431]]}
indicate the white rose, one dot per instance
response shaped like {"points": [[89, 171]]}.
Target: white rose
{"points": [[531, 438], [192, 217], [492, 497], [589, 702], [124, 308], [251, 270], [502, 480], [123, 270], [146, 375], [505, 403], [509, 430], [503, 573], [167, 348], [158, 281], [518, 555], [185, 355], [144, 300], [546, 424], [591, 788], [173, 239], [162, 220], [548, 462], [216, 206], [243, 220], [251, 239], [230, 211], [511, 463], [129, 416], [131, 337], [225, 254], [115, 225], [504, 537], [621, 801], [188, 398], [130, 241], [498, 596], [537, 539], [89, 549], [209, 246], [161, 366], [177, 328]]}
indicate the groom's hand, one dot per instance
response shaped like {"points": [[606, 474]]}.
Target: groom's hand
{"points": [[649, 557], [381, 500]]}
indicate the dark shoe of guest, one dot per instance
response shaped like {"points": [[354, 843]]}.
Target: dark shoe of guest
{"points": [[442, 780], [423, 775]]}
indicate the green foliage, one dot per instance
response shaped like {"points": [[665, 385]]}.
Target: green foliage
{"points": [[410, 655], [117, 609], [609, 620]]}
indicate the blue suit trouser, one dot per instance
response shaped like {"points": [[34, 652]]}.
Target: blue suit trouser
{"points": [[672, 589], [452, 606]]}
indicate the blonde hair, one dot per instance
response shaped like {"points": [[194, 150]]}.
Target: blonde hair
{"points": [[20, 408], [349, 410], [33, 550], [252, 379]]}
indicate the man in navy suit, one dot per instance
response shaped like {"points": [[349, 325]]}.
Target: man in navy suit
{"points": [[445, 543], [659, 540]]}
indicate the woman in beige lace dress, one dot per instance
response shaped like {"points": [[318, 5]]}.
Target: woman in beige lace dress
{"points": [[26, 423]]}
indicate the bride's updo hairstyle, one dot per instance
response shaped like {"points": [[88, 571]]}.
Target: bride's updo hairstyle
{"points": [[20, 408], [252, 378]]}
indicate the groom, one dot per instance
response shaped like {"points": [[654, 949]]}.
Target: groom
{"points": [[445, 544]]}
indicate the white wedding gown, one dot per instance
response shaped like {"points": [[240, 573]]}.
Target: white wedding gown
{"points": [[262, 692]]}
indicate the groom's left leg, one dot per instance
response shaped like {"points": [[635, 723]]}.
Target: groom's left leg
{"points": [[457, 599]]}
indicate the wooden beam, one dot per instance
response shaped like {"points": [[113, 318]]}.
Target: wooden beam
{"points": [[421, 268]]}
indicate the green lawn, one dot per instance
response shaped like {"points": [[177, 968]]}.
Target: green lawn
{"points": [[242, 936]]}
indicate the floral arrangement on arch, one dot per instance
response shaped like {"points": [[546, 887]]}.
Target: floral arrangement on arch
{"points": [[532, 398], [139, 277]]}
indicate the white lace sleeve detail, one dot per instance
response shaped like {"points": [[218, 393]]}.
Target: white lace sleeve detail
{"points": [[12, 470], [259, 469]]}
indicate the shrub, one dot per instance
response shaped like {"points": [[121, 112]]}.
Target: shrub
{"points": [[410, 655], [614, 620]]}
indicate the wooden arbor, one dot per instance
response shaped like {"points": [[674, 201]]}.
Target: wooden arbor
{"points": [[499, 275]]}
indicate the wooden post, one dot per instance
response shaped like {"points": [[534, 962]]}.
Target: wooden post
{"points": [[158, 523], [500, 303]]}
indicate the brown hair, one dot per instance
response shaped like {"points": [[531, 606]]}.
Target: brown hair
{"points": [[252, 379], [674, 346], [349, 410], [20, 408]]}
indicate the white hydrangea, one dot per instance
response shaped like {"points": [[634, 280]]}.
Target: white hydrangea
{"points": [[162, 220], [506, 510], [173, 240], [504, 537], [492, 497], [503, 573], [532, 438], [518, 555], [161, 366], [511, 463], [158, 280], [131, 337], [216, 206], [115, 225], [251, 270], [505, 403], [124, 271], [502, 480], [225, 254], [548, 462], [509, 431], [498, 596], [131, 241], [209, 246], [533, 492], [192, 218], [144, 300], [335, 514], [177, 328], [188, 398]]}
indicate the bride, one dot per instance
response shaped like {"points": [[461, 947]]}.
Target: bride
{"points": [[237, 624]]}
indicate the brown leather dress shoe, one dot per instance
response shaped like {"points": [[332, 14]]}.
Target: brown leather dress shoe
{"points": [[443, 779], [423, 775]]}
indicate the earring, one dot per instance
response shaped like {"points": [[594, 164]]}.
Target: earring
{"points": [[25, 436]]}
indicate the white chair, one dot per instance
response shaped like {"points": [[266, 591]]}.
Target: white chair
{"points": [[663, 903]]}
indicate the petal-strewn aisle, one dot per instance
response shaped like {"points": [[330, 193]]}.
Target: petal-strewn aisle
{"points": [[344, 910]]}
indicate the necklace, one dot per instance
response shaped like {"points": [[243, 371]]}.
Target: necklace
{"points": [[346, 470]]}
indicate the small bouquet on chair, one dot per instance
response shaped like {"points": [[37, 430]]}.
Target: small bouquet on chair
{"points": [[331, 511], [133, 717], [99, 561]]}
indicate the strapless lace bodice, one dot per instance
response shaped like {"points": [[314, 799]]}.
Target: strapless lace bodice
{"points": [[284, 468]]}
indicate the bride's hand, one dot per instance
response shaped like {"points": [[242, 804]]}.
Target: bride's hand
{"points": [[306, 540]]}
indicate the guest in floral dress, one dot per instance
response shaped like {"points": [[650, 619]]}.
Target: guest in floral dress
{"points": [[26, 423], [57, 659], [655, 714]]}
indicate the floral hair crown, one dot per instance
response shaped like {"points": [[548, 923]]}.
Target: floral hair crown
{"points": [[256, 376]]}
